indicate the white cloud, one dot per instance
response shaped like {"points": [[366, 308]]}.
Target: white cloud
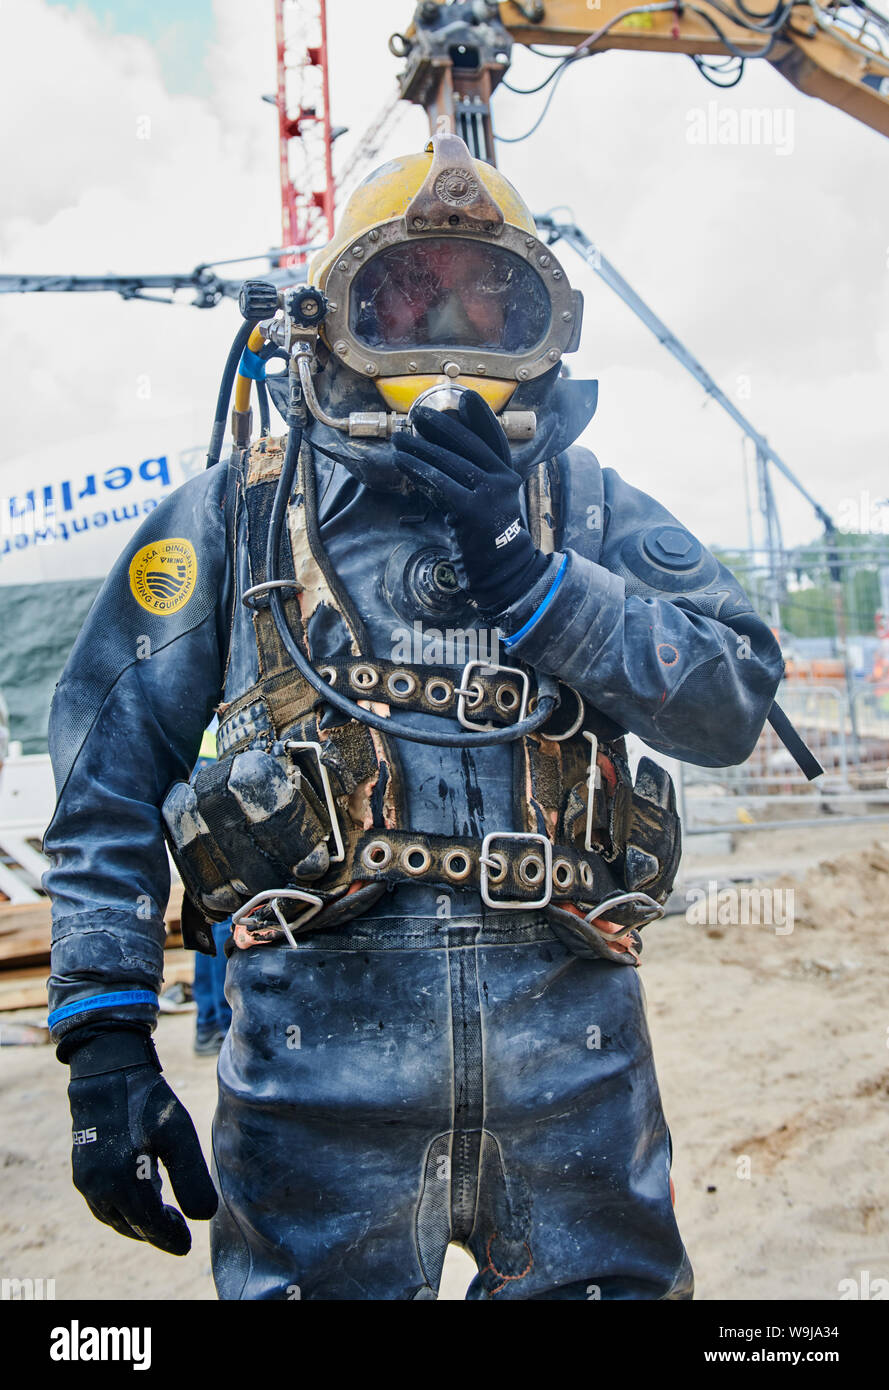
{"points": [[766, 266]]}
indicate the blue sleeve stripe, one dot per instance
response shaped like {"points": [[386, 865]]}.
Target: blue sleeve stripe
{"points": [[102, 1001], [251, 365], [510, 642]]}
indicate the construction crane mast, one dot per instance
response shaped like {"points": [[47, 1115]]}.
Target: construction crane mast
{"points": [[305, 135]]}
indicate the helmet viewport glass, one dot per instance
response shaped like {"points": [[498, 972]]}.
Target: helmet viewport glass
{"points": [[449, 292]]}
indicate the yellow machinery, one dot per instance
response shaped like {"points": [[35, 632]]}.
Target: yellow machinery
{"points": [[457, 51]]}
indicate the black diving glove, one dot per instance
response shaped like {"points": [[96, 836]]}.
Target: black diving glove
{"points": [[125, 1119], [464, 467]]}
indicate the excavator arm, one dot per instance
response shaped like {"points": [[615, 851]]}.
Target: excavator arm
{"points": [[457, 51]]}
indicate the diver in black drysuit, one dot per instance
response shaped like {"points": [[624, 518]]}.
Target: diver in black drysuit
{"points": [[436, 1068], [444, 1086]]}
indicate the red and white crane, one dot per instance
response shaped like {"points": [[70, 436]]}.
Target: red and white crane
{"points": [[305, 137]]}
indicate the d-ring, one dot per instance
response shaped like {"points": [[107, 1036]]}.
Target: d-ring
{"points": [[249, 594]]}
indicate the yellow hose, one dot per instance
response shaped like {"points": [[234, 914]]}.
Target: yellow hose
{"points": [[244, 383]]}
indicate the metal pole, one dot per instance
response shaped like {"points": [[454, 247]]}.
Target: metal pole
{"points": [[328, 133], [580, 242], [839, 608], [288, 227]]}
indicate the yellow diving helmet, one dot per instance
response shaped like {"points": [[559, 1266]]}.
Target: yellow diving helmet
{"points": [[436, 276]]}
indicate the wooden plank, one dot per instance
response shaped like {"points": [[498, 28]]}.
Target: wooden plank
{"points": [[25, 997], [24, 975], [27, 946], [26, 930], [15, 1034], [14, 916], [178, 965], [173, 914], [26, 988], [22, 989]]}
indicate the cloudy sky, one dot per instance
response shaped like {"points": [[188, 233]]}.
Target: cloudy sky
{"points": [[770, 262]]}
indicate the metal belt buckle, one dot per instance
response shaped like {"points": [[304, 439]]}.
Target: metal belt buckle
{"points": [[328, 797], [272, 895], [488, 863], [463, 691], [644, 900]]}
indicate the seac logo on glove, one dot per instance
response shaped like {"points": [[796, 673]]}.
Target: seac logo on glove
{"points": [[125, 1119], [464, 467]]}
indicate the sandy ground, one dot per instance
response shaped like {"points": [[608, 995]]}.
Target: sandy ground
{"points": [[772, 1056]]}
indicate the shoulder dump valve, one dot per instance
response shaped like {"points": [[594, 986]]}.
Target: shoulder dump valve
{"points": [[422, 585]]}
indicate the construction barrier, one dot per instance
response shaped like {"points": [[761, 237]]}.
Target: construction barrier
{"points": [[848, 732]]}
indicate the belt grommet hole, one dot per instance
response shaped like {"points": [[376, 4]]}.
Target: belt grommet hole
{"points": [[497, 873], [476, 695], [457, 865], [365, 677], [416, 859], [401, 684], [563, 874], [438, 692], [531, 869], [377, 854]]}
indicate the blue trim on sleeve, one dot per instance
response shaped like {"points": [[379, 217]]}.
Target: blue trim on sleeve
{"points": [[509, 642], [251, 365], [102, 1001]]}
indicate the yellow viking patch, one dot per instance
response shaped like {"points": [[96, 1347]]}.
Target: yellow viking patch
{"points": [[163, 575]]}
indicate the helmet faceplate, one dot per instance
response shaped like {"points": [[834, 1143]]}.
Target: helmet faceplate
{"points": [[436, 271]]}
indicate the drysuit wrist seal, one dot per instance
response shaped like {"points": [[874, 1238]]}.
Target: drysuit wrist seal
{"points": [[113, 1051]]}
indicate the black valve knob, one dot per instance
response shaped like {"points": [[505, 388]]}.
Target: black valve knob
{"points": [[258, 299], [306, 306]]}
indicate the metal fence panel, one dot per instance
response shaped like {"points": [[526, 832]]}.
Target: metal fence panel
{"points": [[848, 736]]}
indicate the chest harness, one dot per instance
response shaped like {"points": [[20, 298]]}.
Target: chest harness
{"points": [[300, 823]]}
